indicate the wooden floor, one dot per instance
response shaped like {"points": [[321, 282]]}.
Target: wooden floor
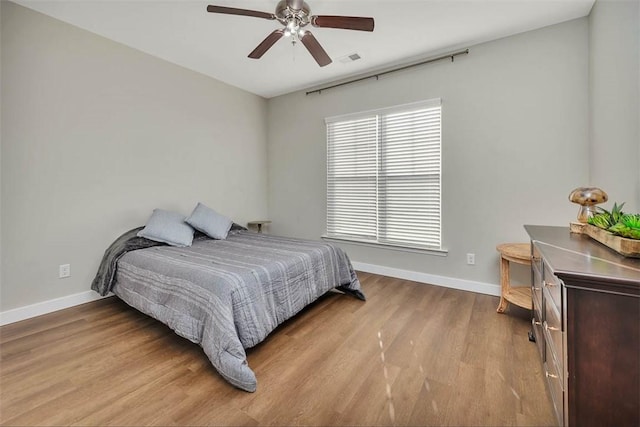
{"points": [[413, 354]]}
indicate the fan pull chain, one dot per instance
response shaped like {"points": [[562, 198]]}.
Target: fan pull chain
{"points": [[293, 49]]}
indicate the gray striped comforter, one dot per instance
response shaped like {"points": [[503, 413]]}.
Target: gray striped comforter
{"points": [[228, 295]]}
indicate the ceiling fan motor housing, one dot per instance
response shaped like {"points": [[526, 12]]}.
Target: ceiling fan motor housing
{"points": [[288, 10]]}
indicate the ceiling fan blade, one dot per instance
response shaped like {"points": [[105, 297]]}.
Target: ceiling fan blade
{"points": [[314, 48], [243, 12], [344, 22], [266, 44]]}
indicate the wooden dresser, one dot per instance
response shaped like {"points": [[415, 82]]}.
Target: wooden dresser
{"points": [[586, 324]]}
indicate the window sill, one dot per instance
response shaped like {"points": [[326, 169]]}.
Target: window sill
{"points": [[436, 252]]}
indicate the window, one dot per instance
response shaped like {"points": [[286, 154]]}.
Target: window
{"points": [[383, 176]]}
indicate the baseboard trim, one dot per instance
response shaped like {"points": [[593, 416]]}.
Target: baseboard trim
{"points": [[431, 279], [45, 307]]}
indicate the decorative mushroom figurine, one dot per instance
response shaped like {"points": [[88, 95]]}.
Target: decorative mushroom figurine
{"points": [[587, 198]]}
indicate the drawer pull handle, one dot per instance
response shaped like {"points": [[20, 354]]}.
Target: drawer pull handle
{"points": [[550, 328], [548, 375]]}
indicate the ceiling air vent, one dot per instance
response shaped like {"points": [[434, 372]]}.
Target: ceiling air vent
{"points": [[349, 58]]}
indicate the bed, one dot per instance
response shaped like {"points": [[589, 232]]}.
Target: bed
{"points": [[225, 295]]}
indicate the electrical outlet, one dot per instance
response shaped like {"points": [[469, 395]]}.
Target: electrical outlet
{"points": [[471, 259], [64, 271]]}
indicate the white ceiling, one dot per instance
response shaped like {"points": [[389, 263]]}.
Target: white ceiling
{"points": [[182, 32]]}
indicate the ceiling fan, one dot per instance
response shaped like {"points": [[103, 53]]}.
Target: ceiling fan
{"points": [[295, 15]]}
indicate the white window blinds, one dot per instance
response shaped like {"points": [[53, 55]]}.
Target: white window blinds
{"points": [[383, 175]]}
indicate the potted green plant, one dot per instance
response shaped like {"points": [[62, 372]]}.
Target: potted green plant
{"points": [[617, 222]]}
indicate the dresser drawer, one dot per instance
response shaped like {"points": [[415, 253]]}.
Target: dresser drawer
{"points": [[552, 284], [554, 380], [536, 258], [552, 327], [536, 327], [536, 286]]}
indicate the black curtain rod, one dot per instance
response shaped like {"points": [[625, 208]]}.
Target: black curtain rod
{"points": [[440, 58]]}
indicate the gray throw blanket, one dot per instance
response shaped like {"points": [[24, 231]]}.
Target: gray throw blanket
{"points": [[129, 241]]}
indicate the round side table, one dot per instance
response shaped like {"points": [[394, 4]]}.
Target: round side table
{"points": [[258, 224], [520, 253]]}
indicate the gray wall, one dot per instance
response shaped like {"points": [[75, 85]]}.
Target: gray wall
{"points": [[614, 85], [0, 154], [94, 136], [515, 143]]}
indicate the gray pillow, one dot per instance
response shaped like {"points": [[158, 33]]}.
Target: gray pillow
{"points": [[167, 227], [209, 222]]}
